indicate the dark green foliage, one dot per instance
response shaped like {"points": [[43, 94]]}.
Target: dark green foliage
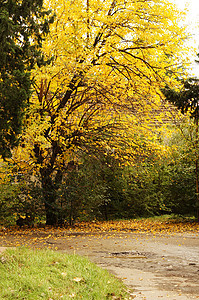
{"points": [[99, 188], [153, 186], [180, 190], [23, 25], [82, 192], [187, 98], [165, 187], [20, 197], [8, 194], [107, 191]]}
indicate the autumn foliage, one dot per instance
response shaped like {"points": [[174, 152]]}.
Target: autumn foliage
{"points": [[108, 62]]}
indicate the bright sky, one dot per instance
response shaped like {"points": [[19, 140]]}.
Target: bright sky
{"points": [[192, 20], [192, 6]]}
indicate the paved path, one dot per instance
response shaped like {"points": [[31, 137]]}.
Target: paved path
{"points": [[156, 267]]}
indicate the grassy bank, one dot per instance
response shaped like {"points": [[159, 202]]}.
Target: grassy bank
{"points": [[51, 275]]}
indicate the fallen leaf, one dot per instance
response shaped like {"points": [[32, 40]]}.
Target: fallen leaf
{"points": [[77, 279], [72, 295]]}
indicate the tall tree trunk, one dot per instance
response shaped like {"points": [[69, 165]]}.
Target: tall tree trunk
{"points": [[49, 194], [49, 186]]}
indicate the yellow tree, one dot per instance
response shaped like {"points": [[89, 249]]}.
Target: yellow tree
{"points": [[109, 60]]}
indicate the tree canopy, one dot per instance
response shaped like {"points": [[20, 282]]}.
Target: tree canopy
{"points": [[22, 27], [110, 60]]}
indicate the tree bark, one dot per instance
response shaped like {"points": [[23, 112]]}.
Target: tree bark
{"points": [[49, 194]]}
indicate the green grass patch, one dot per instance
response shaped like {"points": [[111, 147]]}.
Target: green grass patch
{"points": [[47, 274], [170, 217]]}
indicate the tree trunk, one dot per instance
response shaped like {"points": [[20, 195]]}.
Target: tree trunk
{"points": [[105, 211], [49, 194], [51, 215]]}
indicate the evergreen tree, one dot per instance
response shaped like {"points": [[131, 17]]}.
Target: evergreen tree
{"points": [[23, 25], [187, 99]]}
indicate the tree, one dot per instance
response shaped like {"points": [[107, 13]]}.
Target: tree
{"points": [[22, 27], [110, 60], [187, 100]]}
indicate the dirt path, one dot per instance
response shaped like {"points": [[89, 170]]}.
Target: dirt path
{"points": [[156, 267]]}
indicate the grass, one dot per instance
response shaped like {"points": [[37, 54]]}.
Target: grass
{"points": [[51, 275], [170, 217]]}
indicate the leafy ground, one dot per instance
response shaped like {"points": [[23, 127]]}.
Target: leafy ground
{"points": [[39, 236]]}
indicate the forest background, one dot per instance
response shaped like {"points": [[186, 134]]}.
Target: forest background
{"points": [[86, 132]]}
